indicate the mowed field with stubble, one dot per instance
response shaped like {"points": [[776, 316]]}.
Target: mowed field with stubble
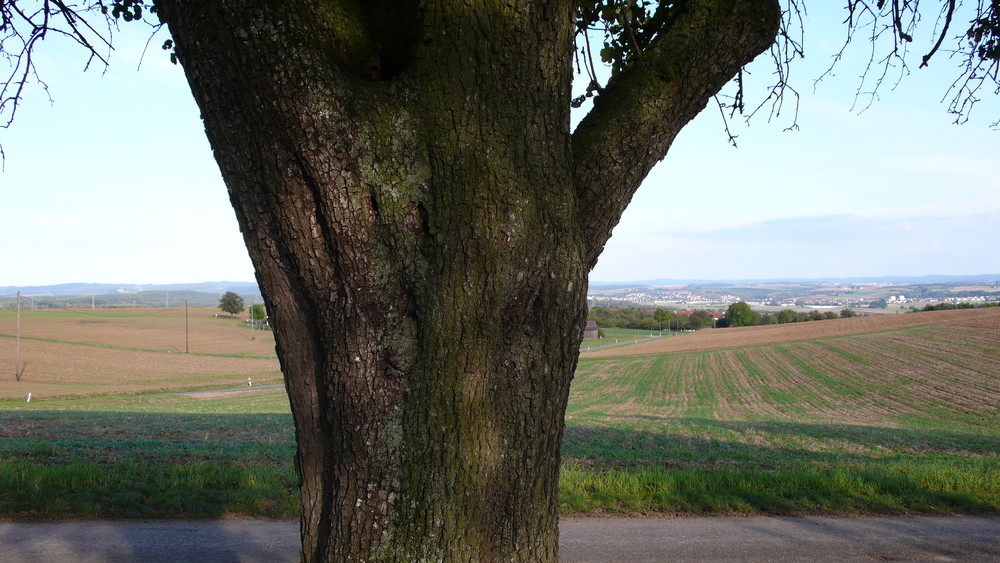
{"points": [[100, 351], [898, 413], [878, 370]]}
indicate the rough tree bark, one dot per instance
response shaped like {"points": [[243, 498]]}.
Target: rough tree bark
{"points": [[422, 221]]}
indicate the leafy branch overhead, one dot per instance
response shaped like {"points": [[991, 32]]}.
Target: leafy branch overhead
{"points": [[617, 32], [127, 10], [613, 32]]}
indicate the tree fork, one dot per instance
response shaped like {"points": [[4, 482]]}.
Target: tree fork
{"points": [[648, 103], [422, 226]]}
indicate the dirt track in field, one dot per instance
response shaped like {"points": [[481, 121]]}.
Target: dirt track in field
{"points": [[741, 337]]}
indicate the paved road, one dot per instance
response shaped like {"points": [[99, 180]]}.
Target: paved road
{"points": [[963, 538]]}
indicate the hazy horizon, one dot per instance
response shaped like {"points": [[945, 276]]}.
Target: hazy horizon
{"points": [[950, 278]]}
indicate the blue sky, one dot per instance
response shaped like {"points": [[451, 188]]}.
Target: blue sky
{"points": [[114, 182]]}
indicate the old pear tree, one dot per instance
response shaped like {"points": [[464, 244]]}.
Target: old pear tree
{"points": [[422, 219]]}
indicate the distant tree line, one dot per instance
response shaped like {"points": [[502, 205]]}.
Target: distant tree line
{"points": [[649, 319], [740, 314], [952, 306]]}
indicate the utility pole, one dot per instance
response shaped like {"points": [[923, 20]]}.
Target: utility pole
{"points": [[18, 371], [17, 340], [186, 349]]}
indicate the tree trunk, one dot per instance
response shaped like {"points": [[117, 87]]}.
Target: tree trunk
{"points": [[404, 180]]}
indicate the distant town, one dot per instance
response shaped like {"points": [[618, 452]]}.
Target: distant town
{"points": [[881, 297], [871, 297]]}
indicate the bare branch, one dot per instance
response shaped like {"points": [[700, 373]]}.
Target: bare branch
{"points": [[882, 23], [788, 46], [166, 46], [725, 121], [891, 27], [947, 24], [20, 34], [24, 24]]}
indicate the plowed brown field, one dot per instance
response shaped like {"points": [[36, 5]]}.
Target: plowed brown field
{"points": [[986, 318], [131, 350]]}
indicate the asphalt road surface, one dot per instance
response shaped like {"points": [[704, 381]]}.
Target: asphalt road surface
{"points": [[958, 538]]}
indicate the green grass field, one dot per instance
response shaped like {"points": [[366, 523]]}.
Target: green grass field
{"points": [[898, 421]]}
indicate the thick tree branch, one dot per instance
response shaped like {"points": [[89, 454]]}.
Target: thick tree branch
{"points": [[636, 118], [949, 13]]}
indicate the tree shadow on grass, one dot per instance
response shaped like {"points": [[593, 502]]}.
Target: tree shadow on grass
{"points": [[702, 465], [68, 464], [63, 464], [649, 433]]}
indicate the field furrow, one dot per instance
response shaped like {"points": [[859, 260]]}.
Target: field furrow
{"points": [[946, 381]]}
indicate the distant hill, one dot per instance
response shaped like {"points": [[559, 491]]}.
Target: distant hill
{"points": [[218, 287], [931, 278], [86, 295]]}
